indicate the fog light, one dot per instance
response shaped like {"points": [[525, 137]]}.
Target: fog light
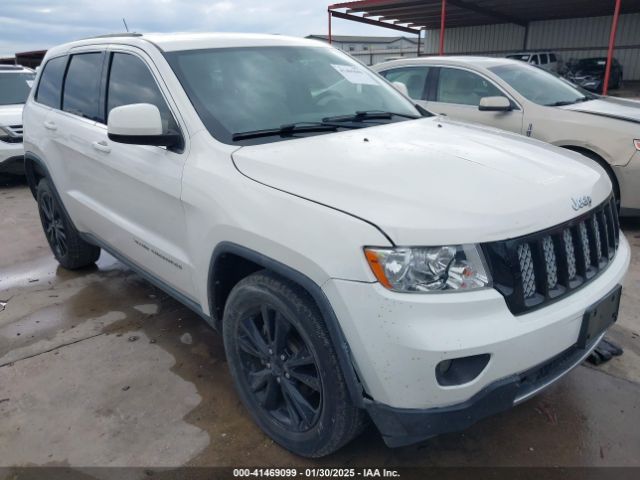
{"points": [[458, 371]]}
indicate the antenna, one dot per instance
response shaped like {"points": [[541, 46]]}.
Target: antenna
{"points": [[125, 24]]}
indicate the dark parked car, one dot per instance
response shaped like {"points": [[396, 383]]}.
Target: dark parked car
{"points": [[588, 73]]}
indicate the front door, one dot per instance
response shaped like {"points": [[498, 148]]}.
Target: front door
{"points": [[457, 94]]}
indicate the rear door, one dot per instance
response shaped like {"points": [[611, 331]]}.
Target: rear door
{"points": [[136, 188], [71, 129], [456, 92], [414, 78]]}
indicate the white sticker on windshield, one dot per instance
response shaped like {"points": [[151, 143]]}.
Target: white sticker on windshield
{"points": [[30, 83], [356, 75]]}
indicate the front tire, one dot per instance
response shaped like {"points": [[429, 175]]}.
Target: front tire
{"points": [[285, 368], [71, 251]]}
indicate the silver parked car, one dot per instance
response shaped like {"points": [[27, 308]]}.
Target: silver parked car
{"points": [[514, 96]]}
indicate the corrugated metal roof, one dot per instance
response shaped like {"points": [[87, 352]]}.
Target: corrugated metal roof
{"points": [[361, 39], [426, 13]]}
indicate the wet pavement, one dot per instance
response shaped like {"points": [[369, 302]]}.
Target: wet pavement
{"points": [[99, 368]]}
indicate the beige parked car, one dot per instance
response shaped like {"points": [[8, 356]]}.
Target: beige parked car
{"points": [[514, 96]]}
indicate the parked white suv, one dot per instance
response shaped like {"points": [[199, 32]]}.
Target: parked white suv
{"points": [[360, 256], [545, 60], [15, 85]]}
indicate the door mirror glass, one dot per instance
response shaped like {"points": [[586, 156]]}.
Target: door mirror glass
{"points": [[494, 104], [139, 124], [401, 87]]}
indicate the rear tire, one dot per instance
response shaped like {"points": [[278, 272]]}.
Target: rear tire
{"points": [[71, 251], [285, 368]]}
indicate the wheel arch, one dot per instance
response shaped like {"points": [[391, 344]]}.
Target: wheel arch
{"points": [[596, 157], [231, 262], [35, 169]]}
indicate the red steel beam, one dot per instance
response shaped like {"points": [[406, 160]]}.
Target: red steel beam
{"points": [[443, 16], [329, 14], [612, 43], [369, 21]]}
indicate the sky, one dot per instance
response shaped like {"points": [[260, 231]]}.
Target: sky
{"points": [[40, 24]]}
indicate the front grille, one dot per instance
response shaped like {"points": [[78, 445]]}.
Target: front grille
{"points": [[15, 134], [537, 269]]}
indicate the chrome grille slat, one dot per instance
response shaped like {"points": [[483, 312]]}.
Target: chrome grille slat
{"points": [[570, 253]]}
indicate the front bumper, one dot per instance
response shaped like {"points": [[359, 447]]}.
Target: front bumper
{"points": [[397, 340], [629, 181], [400, 427]]}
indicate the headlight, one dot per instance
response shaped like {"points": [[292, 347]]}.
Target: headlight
{"points": [[429, 269], [636, 143]]}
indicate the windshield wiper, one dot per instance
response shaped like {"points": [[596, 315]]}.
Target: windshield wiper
{"points": [[367, 115], [284, 130], [567, 102]]}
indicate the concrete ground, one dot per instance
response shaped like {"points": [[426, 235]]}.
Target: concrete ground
{"points": [[99, 368]]}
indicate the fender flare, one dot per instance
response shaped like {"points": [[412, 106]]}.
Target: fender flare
{"points": [[356, 390]]}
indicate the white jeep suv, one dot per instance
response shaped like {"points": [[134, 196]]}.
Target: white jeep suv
{"points": [[362, 258], [15, 85]]}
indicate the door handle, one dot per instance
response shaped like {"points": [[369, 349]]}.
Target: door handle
{"points": [[49, 125], [101, 146]]}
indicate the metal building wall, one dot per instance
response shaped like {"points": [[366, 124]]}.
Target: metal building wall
{"points": [[571, 38]]}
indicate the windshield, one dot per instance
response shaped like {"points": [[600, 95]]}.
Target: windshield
{"points": [[236, 90], [539, 86], [15, 87]]}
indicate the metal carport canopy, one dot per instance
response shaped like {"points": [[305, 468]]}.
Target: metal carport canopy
{"points": [[413, 16]]}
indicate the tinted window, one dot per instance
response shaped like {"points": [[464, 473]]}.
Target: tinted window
{"points": [[244, 89], [130, 81], [50, 86], [543, 58], [534, 60], [15, 87], [463, 87], [552, 57], [413, 77], [82, 86]]}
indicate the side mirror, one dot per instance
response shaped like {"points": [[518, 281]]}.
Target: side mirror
{"points": [[494, 104], [139, 124], [401, 87]]}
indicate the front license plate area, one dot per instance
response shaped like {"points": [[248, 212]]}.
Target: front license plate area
{"points": [[599, 317]]}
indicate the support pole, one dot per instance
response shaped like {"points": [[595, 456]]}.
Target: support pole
{"points": [[612, 42], [329, 13], [419, 40], [443, 16]]}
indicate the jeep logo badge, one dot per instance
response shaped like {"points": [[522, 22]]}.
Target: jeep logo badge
{"points": [[581, 202]]}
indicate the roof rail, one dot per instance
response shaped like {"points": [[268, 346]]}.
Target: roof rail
{"points": [[11, 67], [110, 35]]}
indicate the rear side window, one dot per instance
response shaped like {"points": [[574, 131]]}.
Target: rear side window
{"points": [[50, 86], [130, 81], [543, 59], [414, 79], [82, 86], [552, 57]]}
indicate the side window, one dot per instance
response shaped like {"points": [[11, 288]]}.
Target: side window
{"points": [[413, 77], [50, 86], [552, 57], [464, 87], [543, 59], [81, 94], [534, 60], [130, 81]]}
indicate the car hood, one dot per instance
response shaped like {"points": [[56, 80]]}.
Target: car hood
{"points": [[593, 72], [431, 181], [11, 115], [620, 108]]}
